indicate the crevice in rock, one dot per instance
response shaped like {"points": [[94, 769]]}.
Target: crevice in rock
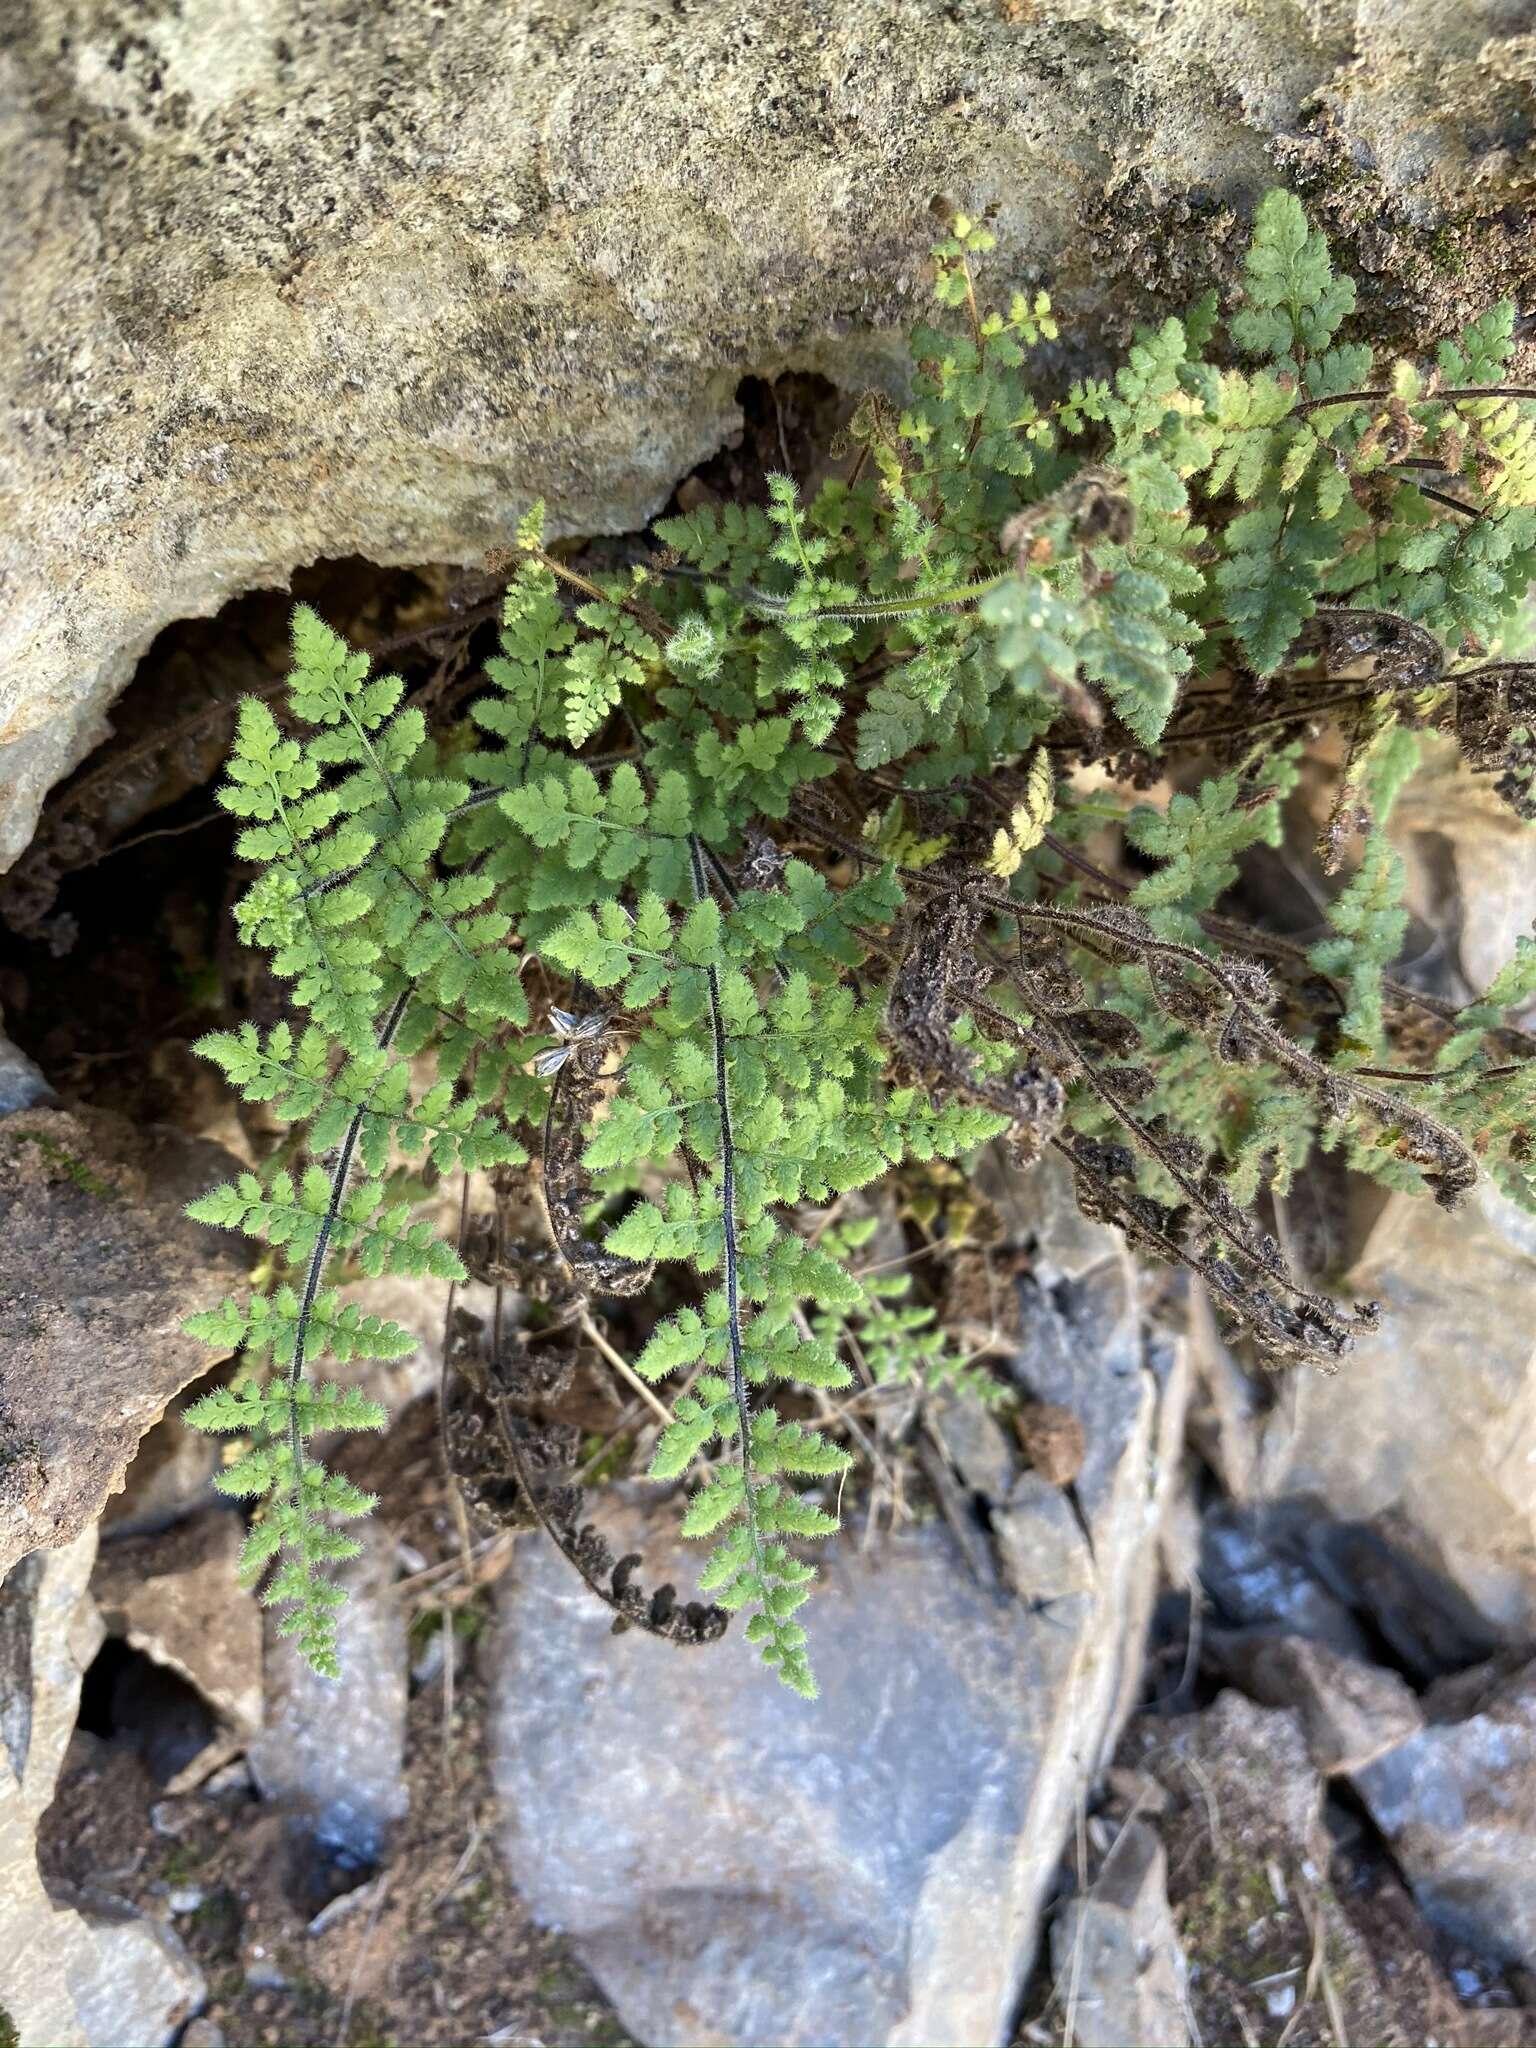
{"points": [[129, 1699], [117, 949]]}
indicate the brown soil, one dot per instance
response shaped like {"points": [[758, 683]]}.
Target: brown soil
{"points": [[1296, 1930]]}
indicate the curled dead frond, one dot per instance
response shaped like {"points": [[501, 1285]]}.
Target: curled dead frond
{"points": [[515, 1471]]}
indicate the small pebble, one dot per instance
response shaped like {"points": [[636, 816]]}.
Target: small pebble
{"points": [[186, 1898], [233, 1777], [429, 1663]]}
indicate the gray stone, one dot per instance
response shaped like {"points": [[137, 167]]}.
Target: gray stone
{"points": [[1038, 1208], [1248, 1768], [1119, 1969], [49, 1632], [1457, 1803], [141, 1986], [307, 281], [1417, 1462], [1351, 1712], [101, 1978], [1224, 1402], [98, 1266], [1428, 1434], [332, 1751], [1256, 1574], [1484, 893], [1251, 1881], [23, 1084], [974, 1442], [1081, 1349], [737, 1866]]}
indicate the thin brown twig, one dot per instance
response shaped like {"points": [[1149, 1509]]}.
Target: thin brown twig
{"points": [[625, 1370]]}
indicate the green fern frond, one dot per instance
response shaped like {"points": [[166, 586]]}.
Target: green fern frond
{"points": [[858, 830]]}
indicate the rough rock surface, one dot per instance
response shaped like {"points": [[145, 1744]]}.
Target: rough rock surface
{"points": [[738, 1867], [1296, 1568], [22, 1082], [1471, 866], [1428, 1434], [67, 1979], [49, 1632], [312, 280], [97, 1268], [1457, 1803], [1119, 1968], [1280, 1931], [171, 1476], [1351, 1712]]}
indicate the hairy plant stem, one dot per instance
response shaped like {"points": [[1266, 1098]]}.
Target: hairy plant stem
{"points": [[774, 605], [739, 1391], [317, 1259], [1465, 391]]}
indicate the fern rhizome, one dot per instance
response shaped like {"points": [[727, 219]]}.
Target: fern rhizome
{"points": [[808, 846]]}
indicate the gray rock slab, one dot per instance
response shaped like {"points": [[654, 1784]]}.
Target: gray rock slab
{"points": [[23, 1084], [1428, 1433], [739, 1866], [100, 1978], [1119, 1968], [1457, 1803], [176, 1596], [1351, 1712]]}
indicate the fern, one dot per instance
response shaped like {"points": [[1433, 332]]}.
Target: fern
{"points": [[806, 852], [1295, 304]]}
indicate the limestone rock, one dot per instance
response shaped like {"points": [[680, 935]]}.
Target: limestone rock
{"points": [[22, 1082], [97, 1268], [974, 1443], [1457, 1803], [1428, 1434], [1257, 1894], [1293, 1567], [1351, 1712], [171, 1475], [140, 1986], [49, 1632], [1471, 865], [739, 1867], [1037, 1208], [176, 1596], [68, 1979], [311, 280], [1119, 1968]]}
